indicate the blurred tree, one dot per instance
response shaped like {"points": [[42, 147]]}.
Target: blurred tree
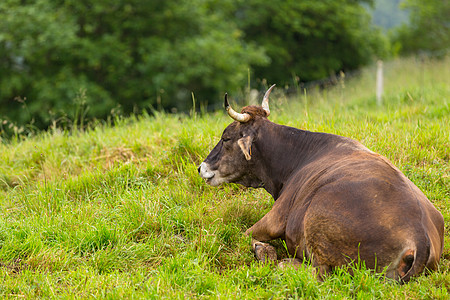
{"points": [[428, 29], [309, 39], [36, 43], [83, 58], [60, 55]]}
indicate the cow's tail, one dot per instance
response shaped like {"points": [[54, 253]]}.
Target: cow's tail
{"points": [[413, 261]]}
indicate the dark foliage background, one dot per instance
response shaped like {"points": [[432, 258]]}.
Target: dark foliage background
{"points": [[428, 30], [69, 60]]}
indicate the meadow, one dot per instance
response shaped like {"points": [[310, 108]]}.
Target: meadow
{"points": [[121, 212]]}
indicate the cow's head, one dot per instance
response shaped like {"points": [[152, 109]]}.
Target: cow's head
{"points": [[232, 158]]}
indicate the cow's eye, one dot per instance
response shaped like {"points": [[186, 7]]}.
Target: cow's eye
{"points": [[225, 139]]}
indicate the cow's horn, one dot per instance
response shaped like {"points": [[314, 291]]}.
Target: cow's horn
{"points": [[235, 115], [265, 102]]}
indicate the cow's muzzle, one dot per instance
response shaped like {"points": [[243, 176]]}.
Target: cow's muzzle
{"points": [[205, 172]]}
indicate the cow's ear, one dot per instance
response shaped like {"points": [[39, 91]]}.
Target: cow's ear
{"points": [[245, 144]]}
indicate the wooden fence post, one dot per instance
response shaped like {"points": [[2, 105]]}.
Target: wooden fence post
{"points": [[379, 81]]}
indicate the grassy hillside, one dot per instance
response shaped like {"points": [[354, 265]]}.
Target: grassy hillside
{"points": [[121, 211]]}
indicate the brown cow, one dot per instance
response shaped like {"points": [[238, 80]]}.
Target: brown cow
{"points": [[336, 202]]}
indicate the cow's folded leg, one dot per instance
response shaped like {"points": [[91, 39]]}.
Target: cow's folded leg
{"points": [[270, 227], [263, 251], [290, 262]]}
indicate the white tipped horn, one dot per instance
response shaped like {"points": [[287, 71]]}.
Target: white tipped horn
{"points": [[235, 115], [265, 102]]}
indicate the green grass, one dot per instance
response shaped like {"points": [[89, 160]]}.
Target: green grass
{"points": [[120, 212]]}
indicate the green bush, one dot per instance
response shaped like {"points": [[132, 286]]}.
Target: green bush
{"points": [[65, 61], [428, 30]]}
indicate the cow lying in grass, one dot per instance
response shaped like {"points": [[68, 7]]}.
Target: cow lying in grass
{"points": [[336, 201]]}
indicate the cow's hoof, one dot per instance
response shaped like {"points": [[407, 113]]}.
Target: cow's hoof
{"points": [[264, 252], [290, 263], [321, 271]]}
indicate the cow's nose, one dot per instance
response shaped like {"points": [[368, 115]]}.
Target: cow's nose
{"points": [[198, 169], [204, 171]]}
